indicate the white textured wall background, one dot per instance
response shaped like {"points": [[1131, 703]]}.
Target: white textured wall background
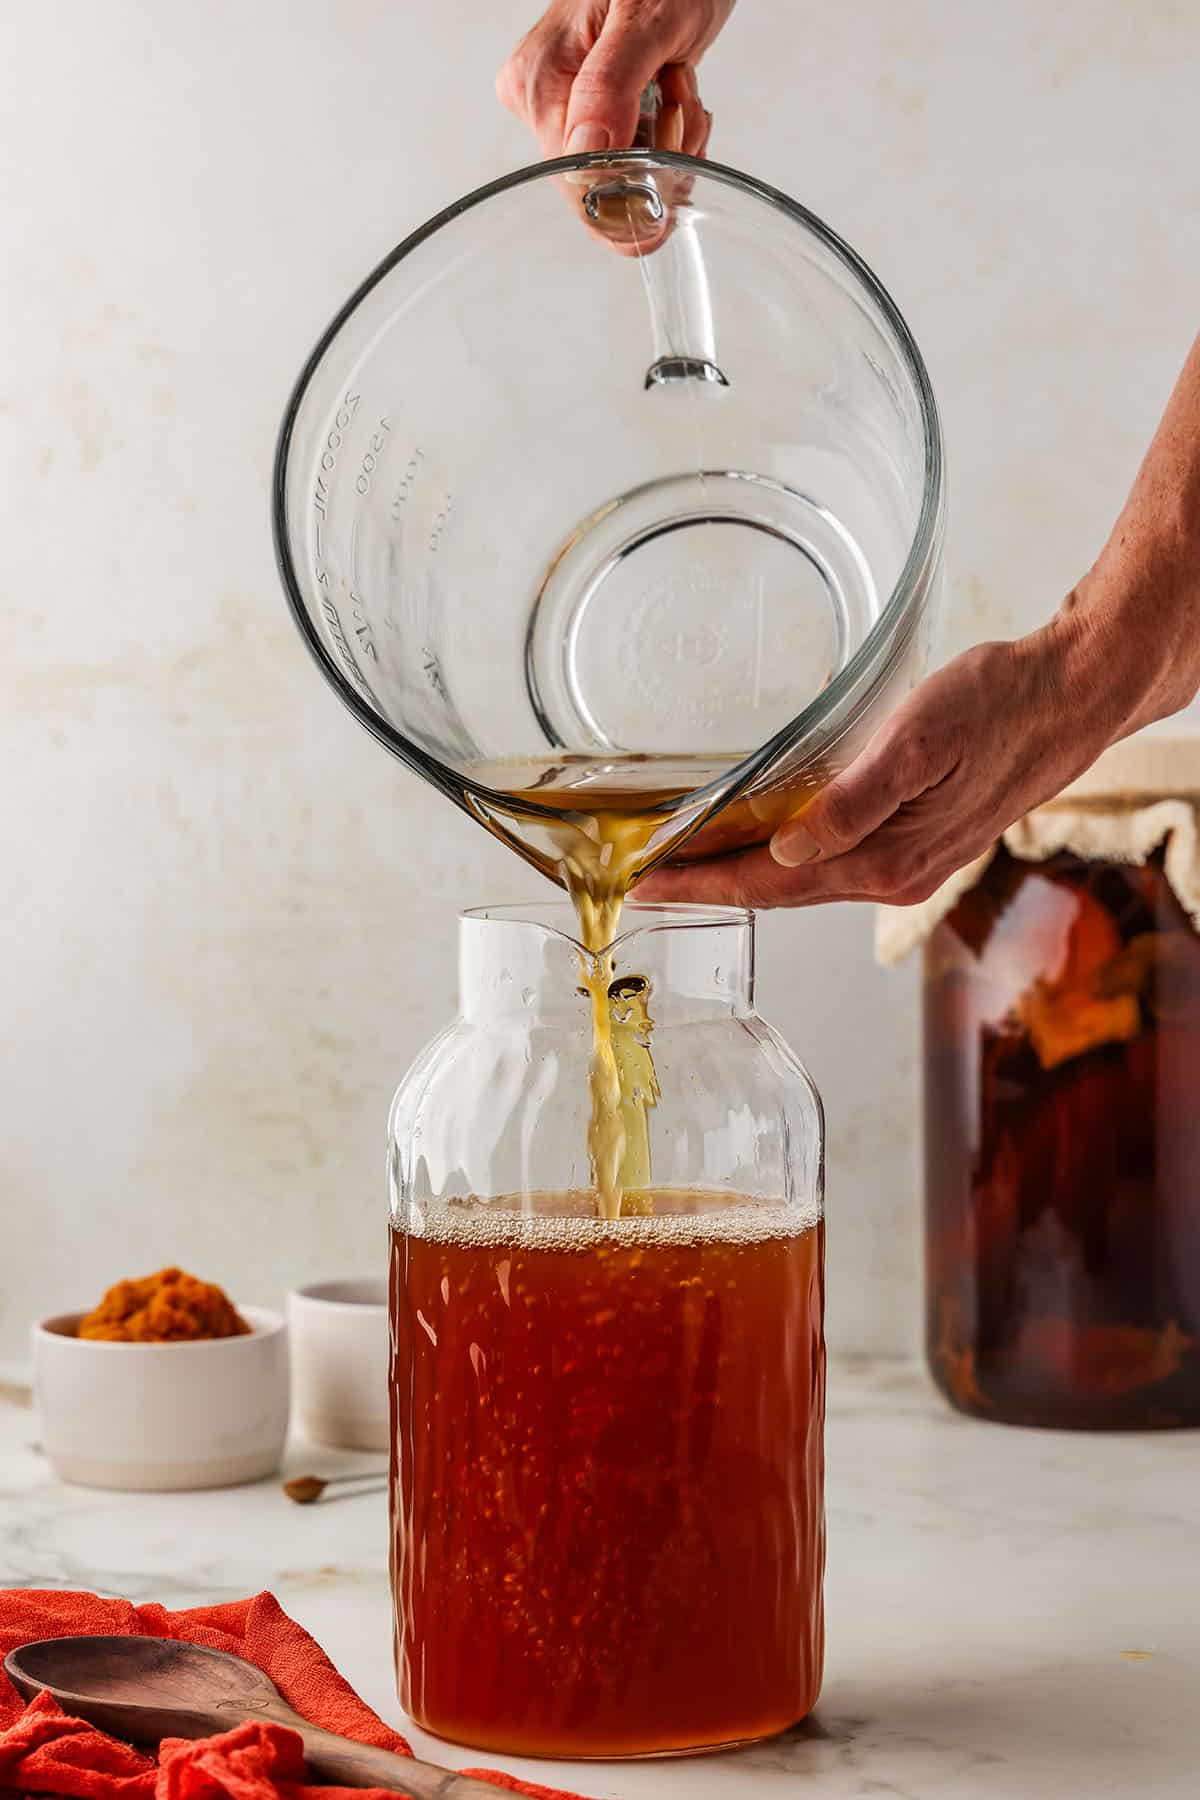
{"points": [[228, 920]]}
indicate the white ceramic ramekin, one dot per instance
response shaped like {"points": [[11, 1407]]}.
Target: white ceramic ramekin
{"points": [[209, 1413], [339, 1334]]}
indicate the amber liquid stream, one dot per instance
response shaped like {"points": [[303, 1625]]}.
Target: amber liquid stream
{"points": [[616, 818]]}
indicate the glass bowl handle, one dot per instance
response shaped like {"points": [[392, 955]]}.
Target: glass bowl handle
{"points": [[672, 270]]}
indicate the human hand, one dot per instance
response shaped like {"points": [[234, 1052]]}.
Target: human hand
{"points": [[1007, 726], [577, 78], [1000, 730]]}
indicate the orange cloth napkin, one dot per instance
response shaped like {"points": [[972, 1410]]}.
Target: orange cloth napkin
{"points": [[43, 1751]]}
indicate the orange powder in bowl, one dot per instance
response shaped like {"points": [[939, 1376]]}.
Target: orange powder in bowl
{"points": [[170, 1307]]}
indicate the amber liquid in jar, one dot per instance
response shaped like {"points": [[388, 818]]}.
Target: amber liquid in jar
{"points": [[607, 1474], [1062, 1075]]}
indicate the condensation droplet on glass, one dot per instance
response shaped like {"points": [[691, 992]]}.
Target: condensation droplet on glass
{"points": [[427, 1328]]}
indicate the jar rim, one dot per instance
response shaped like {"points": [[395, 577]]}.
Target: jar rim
{"points": [[556, 918], [683, 912]]}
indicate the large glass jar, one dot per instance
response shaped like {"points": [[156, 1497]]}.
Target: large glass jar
{"points": [[607, 1467], [1062, 1062]]}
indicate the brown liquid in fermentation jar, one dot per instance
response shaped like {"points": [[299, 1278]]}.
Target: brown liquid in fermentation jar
{"points": [[1062, 1120], [607, 1397], [607, 1487]]}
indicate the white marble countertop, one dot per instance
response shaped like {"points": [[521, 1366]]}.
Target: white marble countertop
{"points": [[1012, 1615]]}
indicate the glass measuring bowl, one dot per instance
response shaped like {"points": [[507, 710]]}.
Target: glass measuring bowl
{"points": [[607, 1478], [621, 477]]}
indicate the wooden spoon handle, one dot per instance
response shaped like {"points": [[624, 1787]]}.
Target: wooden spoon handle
{"points": [[343, 1763]]}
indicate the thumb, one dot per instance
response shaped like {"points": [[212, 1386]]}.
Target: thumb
{"points": [[605, 96], [897, 765]]}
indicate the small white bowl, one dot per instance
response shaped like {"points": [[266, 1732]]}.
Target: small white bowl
{"points": [[339, 1332], [209, 1413]]}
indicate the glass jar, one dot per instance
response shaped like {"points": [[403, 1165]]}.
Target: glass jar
{"points": [[607, 1465], [1062, 1053]]}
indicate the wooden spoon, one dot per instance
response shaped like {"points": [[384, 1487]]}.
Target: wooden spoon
{"points": [[145, 1689]]}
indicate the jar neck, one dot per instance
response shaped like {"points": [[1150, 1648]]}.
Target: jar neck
{"points": [[524, 964]]}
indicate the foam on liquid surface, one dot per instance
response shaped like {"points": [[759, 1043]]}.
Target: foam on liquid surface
{"points": [[677, 1217]]}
